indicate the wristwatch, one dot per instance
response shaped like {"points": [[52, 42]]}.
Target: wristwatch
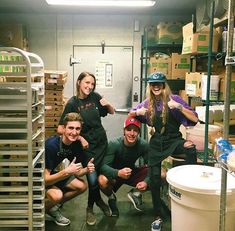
{"points": [[180, 107]]}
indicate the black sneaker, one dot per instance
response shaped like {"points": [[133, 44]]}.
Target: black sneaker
{"points": [[113, 206], [136, 199], [104, 208]]}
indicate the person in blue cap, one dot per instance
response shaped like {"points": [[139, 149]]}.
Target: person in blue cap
{"points": [[164, 112]]}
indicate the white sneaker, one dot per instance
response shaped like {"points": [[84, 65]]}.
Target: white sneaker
{"points": [[156, 225], [57, 217], [136, 199]]}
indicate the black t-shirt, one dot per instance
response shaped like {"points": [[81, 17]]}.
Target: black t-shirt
{"points": [[56, 151], [90, 110]]}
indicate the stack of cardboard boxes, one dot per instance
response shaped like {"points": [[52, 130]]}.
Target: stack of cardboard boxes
{"points": [[198, 42], [174, 66], [195, 44], [167, 34], [54, 100]]}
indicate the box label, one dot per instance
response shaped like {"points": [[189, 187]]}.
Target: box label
{"points": [[202, 37], [191, 88], [183, 66]]}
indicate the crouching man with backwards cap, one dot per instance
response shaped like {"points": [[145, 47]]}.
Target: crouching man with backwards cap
{"points": [[119, 166]]}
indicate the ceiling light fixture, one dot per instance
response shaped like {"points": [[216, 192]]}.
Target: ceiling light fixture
{"points": [[121, 3]]}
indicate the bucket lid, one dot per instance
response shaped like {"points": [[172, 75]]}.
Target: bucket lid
{"points": [[198, 179], [201, 128]]}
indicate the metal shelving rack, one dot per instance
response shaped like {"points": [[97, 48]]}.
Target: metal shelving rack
{"points": [[223, 197], [21, 140]]}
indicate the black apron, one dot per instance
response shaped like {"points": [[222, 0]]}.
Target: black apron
{"points": [[95, 134], [164, 145]]}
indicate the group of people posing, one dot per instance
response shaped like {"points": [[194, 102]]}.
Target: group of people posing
{"points": [[108, 165]]}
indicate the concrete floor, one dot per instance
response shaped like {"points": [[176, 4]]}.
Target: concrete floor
{"points": [[128, 220]]}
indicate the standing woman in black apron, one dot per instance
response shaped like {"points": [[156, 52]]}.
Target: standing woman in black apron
{"points": [[164, 112], [92, 107]]}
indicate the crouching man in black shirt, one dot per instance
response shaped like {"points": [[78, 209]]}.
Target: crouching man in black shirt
{"points": [[63, 185]]}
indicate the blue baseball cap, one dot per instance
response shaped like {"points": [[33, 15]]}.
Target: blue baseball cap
{"points": [[157, 77]]}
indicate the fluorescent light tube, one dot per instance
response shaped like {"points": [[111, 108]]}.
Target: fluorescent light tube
{"points": [[121, 3]]}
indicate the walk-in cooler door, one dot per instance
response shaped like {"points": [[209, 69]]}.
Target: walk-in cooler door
{"points": [[112, 66]]}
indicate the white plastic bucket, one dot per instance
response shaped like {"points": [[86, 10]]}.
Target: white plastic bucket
{"points": [[197, 134], [195, 198]]}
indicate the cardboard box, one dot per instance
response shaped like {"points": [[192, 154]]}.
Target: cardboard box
{"points": [[55, 82], [217, 65], [151, 35], [54, 86], [169, 32], [14, 35], [193, 84], [55, 103], [50, 132], [54, 96], [180, 65], [51, 124], [196, 43], [51, 93], [53, 110], [54, 74], [55, 78], [196, 85], [162, 64]]}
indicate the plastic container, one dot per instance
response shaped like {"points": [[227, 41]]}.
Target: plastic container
{"points": [[195, 198], [197, 134], [224, 40], [214, 87], [231, 161]]}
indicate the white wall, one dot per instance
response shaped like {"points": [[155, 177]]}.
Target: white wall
{"points": [[52, 36]]}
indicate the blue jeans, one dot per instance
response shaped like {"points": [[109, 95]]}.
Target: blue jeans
{"points": [[94, 190], [92, 180]]}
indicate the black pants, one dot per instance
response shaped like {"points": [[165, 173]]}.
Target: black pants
{"points": [[155, 175]]}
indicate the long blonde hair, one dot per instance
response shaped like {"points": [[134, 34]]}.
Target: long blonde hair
{"points": [[164, 97]]}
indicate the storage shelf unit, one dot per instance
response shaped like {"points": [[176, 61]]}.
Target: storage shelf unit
{"points": [[21, 140]]}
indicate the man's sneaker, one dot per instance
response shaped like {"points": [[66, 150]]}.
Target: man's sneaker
{"points": [[104, 208], [57, 217], [113, 206], [136, 199], [90, 216], [156, 225]]}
